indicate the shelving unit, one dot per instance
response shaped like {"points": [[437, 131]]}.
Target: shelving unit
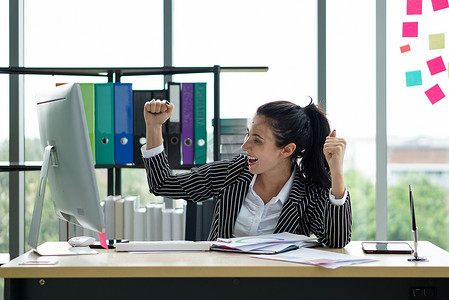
{"points": [[114, 75]]}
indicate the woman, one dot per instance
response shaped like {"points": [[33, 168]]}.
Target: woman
{"points": [[291, 178]]}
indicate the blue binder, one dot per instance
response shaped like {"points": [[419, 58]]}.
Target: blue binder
{"points": [[123, 102]]}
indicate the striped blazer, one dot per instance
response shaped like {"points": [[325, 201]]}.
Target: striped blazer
{"points": [[307, 210]]}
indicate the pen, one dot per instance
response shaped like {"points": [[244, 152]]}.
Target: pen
{"points": [[414, 228]]}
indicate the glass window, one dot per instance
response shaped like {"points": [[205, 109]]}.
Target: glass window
{"points": [[351, 102], [88, 34], [4, 125], [258, 33], [4, 133], [418, 148]]}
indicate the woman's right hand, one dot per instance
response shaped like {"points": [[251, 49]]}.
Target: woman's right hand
{"points": [[157, 112]]}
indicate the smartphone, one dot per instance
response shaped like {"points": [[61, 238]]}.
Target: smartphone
{"points": [[387, 247]]}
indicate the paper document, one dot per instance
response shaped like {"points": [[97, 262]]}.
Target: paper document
{"points": [[58, 248], [265, 244], [327, 259]]}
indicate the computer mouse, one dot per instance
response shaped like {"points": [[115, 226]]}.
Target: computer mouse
{"points": [[81, 241]]}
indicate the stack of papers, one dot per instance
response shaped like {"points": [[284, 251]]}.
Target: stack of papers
{"points": [[265, 244], [326, 259]]}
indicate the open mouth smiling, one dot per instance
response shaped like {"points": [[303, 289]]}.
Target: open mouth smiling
{"points": [[252, 160]]}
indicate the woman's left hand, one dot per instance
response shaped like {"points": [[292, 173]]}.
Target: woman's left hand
{"points": [[334, 151]]}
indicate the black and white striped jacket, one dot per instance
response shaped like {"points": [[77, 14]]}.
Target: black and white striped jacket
{"points": [[307, 210]]}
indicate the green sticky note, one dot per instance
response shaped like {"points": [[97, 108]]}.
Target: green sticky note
{"points": [[436, 41], [413, 78]]}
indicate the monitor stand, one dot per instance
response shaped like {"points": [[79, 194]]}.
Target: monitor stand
{"points": [[50, 248], [49, 156]]}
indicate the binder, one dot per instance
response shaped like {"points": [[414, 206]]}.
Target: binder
{"points": [[109, 216], [123, 101], [200, 131], [155, 216], [178, 224], [119, 204], [207, 216], [139, 224], [104, 123], [139, 127], [187, 124], [174, 125], [88, 93], [128, 217], [167, 215], [194, 221], [162, 95]]}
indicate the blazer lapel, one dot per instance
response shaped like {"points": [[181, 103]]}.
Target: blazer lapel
{"points": [[234, 193], [293, 208]]}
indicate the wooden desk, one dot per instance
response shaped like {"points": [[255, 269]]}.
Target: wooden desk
{"points": [[217, 275]]}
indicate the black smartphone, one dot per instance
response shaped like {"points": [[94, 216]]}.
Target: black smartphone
{"points": [[387, 247]]}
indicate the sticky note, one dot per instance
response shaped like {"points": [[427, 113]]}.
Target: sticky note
{"points": [[405, 48], [436, 65], [435, 94], [413, 78], [436, 41], [414, 7], [439, 4], [102, 238], [409, 29]]}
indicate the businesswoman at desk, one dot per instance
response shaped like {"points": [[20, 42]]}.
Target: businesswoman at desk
{"points": [[291, 178]]}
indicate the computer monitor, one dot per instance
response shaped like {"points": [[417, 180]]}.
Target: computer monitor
{"points": [[67, 161]]}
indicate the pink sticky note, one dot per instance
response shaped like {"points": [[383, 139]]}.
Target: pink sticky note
{"points": [[435, 94], [102, 238], [436, 65], [405, 48], [439, 4], [409, 29], [414, 7]]}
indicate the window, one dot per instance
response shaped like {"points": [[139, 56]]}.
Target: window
{"points": [[88, 34], [4, 133], [351, 102], [249, 33], [418, 148]]}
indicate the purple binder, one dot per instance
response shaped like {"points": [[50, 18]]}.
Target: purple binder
{"points": [[187, 123]]}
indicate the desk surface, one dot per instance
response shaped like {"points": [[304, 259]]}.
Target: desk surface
{"points": [[109, 263]]}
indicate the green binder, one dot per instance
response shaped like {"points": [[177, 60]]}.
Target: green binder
{"points": [[104, 123], [88, 93], [199, 113]]}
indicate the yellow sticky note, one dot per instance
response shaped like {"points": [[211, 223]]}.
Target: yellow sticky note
{"points": [[436, 41]]}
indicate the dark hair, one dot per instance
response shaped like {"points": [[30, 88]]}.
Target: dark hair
{"points": [[307, 127]]}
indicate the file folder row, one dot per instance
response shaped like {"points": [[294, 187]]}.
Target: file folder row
{"points": [[126, 219], [114, 114]]}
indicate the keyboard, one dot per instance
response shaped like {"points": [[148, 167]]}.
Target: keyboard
{"points": [[148, 246]]}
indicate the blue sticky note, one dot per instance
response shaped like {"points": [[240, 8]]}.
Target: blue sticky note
{"points": [[413, 78]]}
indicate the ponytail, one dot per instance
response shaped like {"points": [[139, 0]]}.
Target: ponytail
{"points": [[313, 162], [308, 128]]}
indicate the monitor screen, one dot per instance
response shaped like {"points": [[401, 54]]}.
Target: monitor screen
{"points": [[71, 173]]}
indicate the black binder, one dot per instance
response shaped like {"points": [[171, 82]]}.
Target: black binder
{"points": [[163, 95], [140, 98]]}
